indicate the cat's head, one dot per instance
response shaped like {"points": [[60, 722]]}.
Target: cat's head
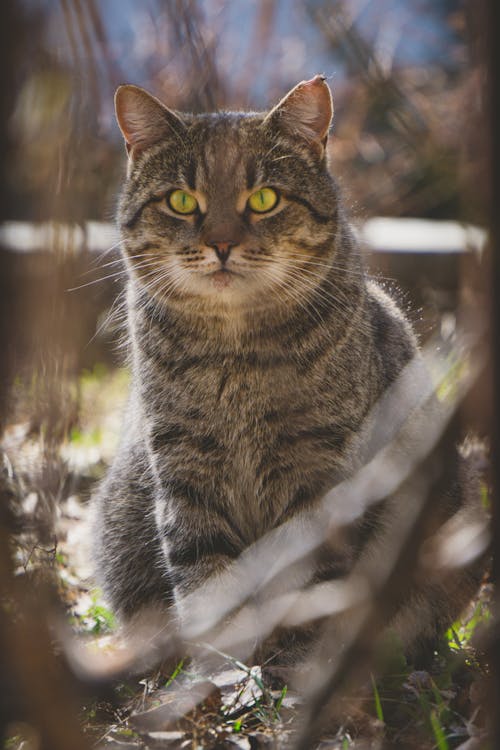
{"points": [[228, 210]]}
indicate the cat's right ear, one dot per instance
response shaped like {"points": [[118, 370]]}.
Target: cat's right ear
{"points": [[306, 112], [143, 119]]}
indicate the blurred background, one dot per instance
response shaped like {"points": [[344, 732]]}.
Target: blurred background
{"points": [[408, 147], [407, 80], [405, 76]]}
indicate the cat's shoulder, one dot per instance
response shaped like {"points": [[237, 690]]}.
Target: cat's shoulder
{"points": [[393, 334]]}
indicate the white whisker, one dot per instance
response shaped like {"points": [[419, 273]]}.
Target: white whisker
{"points": [[106, 252]]}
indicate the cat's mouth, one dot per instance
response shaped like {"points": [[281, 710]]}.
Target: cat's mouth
{"points": [[222, 277]]}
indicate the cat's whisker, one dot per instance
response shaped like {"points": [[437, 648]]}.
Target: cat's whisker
{"points": [[156, 290], [176, 281], [106, 252], [312, 280], [155, 279], [361, 273], [270, 151], [98, 281], [321, 270], [312, 299], [119, 302], [117, 262], [331, 265], [113, 275], [311, 308], [338, 300], [293, 294], [311, 272], [316, 279], [148, 272], [280, 158]]}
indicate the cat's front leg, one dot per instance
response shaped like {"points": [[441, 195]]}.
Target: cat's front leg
{"points": [[199, 543]]}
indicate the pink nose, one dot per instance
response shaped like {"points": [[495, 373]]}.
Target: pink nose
{"points": [[222, 250]]}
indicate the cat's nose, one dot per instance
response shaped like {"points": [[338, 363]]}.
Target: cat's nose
{"points": [[222, 249]]}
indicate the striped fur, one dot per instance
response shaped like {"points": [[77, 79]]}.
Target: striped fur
{"points": [[248, 396]]}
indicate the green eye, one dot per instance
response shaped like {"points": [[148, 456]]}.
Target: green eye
{"points": [[182, 202], [263, 200]]}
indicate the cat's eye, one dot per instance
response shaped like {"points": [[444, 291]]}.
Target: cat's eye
{"points": [[263, 200], [182, 202]]}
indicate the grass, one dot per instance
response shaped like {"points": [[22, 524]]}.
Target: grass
{"points": [[459, 636], [177, 671], [430, 710], [262, 704], [96, 619], [378, 703], [424, 710]]}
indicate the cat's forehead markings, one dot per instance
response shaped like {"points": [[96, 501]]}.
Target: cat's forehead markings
{"points": [[190, 174], [251, 173], [221, 163]]}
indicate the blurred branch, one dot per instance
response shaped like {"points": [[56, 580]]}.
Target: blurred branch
{"points": [[402, 429], [260, 41], [265, 587], [68, 23], [90, 66], [354, 661], [34, 685], [186, 24], [46, 689], [114, 72], [491, 24], [40, 690], [413, 156], [338, 29]]}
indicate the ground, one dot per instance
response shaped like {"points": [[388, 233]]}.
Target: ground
{"points": [[442, 707]]}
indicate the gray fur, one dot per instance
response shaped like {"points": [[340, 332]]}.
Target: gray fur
{"points": [[247, 399]]}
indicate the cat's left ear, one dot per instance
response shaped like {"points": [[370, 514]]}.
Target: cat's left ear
{"points": [[306, 111]]}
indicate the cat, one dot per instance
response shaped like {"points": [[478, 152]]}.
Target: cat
{"points": [[259, 349]]}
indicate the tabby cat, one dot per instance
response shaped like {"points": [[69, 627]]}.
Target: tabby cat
{"points": [[258, 348]]}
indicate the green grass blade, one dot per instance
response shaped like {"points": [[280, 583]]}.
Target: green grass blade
{"points": [[281, 698], [378, 702], [439, 735], [175, 673]]}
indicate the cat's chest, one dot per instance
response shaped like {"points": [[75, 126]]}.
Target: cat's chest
{"points": [[242, 405], [253, 429]]}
